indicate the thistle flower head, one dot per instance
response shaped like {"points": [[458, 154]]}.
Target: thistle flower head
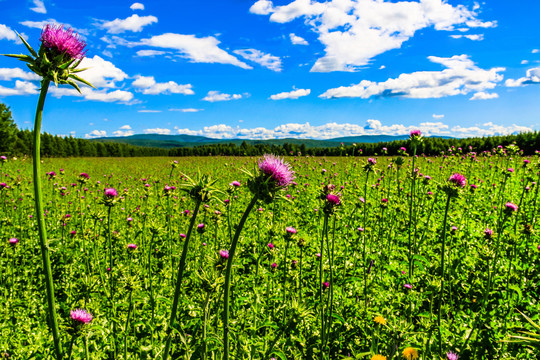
{"points": [[132, 247], [510, 207], [279, 172], [13, 241], [80, 316], [452, 356], [415, 133], [333, 199], [224, 254], [110, 193], [457, 180], [58, 40], [290, 230]]}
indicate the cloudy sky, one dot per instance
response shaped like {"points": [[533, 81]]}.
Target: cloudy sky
{"points": [[284, 68]]}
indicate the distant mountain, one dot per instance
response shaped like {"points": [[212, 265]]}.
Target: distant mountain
{"points": [[174, 141]]}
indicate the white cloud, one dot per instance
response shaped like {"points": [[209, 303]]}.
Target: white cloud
{"points": [[188, 110], [150, 52], [297, 40], [437, 116], [41, 24], [157, 131], [133, 23], [268, 61], [21, 88], [295, 94], [535, 51], [39, 7], [149, 86], [460, 77], [334, 130], [120, 96], [96, 134], [125, 127], [533, 77], [355, 31], [17, 73], [8, 34], [101, 73], [198, 50], [214, 96], [123, 133], [524, 62], [484, 96], [136, 6], [149, 111], [473, 37]]}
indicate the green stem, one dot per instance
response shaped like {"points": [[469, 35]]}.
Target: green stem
{"points": [[53, 323], [179, 278], [411, 203], [442, 273], [126, 327], [228, 277]]}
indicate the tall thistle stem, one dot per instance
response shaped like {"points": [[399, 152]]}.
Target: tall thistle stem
{"points": [[179, 278], [448, 200], [227, 288], [38, 198]]}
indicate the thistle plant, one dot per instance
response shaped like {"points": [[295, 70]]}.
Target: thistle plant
{"points": [[201, 190], [416, 139], [272, 175], [60, 53]]}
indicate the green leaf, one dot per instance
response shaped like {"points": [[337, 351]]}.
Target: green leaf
{"points": [[69, 82], [81, 80], [32, 51]]}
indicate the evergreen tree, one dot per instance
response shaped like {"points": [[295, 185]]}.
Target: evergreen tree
{"points": [[8, 131]]}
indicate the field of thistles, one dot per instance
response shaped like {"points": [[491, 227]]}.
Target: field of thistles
{"points": [[403, 257]]}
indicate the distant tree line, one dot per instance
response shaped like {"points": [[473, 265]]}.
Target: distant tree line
{"points": [[20, 142]]}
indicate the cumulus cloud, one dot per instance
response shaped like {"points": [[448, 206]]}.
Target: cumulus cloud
{"points": [[473, 37], [214, 96], [297, 40], [125, 127], [41, 24], [149, 111], [39, 7], [268, 61], [96, 134], [17, 73], [8, 34], [535, 51], [123, 133], [21, 88], [484, 96], [438, 116], [460, 77], [355, 31], [334, 130], [187, 110], [150, 52], [533, 77], [120, 96], [295, 94], [136, 6], [149, 86], [198, 50], [134, 23], [159, 131], [101, 73]]}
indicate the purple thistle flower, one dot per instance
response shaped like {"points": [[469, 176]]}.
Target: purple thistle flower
{"points": [[371, 161], [84, 175], [274, 265], [4, 186], [457, 180], [415, 133], [235, 183], [333, 199], [270, 246], [452, 356], [488, 233], [407, 286], [290, 230], [111, 193], [13, 241], [80, 316], [200, 226], [325, 285], [132, 246], [63, 41], [224, 254], [511, 207], [3, 158], [280, 172]]}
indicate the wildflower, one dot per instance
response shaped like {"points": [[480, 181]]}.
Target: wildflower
{"points": [[280, 172], [290, 230], [270, 246], [58, 40], [111, 193], [132, 247], [378, 357], [380, 320], [410, 353], [13, 241], [452, 356], [4, 186], [224, 254], [325, 285], [372, 161], [201, 228], [80, 317], [273, 266], [333, 199], [3, 158], [183, 236], [235, 184], [407, 286], [415, 134], [510, 207], [457, 180]]}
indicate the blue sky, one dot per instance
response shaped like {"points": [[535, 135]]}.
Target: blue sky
{"points": [[276, 69]]}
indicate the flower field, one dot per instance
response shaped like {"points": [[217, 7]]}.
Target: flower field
{"points": [[404, 257]]}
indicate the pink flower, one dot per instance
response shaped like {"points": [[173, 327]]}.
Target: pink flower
{"points": [[80, 316], [270, 246], [235, 183], [325, 285], [333, 199], [407, 286], [62, 41], [415, 133], [457, 180], [279, 171], [274, 265], [13, 241], [111, 192], [290, 230], [371, 161], [132, 246], [511, 207], [224, 254]]}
